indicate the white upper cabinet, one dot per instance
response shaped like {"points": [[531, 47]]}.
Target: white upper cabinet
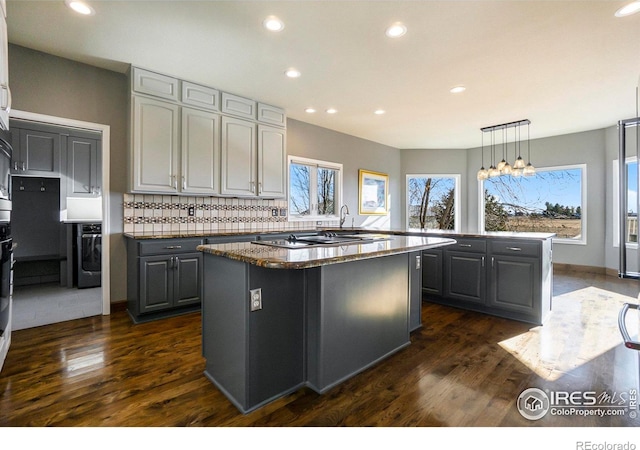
{"points": [[272, 162], [272, 115], [238, 106], [238, 157], [156, 84], [200, 152], [187, 138], [155, 146], [5, 93], [200, 96]]}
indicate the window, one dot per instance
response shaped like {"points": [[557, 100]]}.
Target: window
{"points": [[631, 215], [552, 201], [433, 202], [315, 189]]}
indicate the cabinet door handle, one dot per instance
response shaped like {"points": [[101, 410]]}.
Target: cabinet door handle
{"points": [[173, 247], [252, 186], [176, 264], [515, 249], [24, 167], [184, 183], [465, 245], [171, 263], [260, 187], [15, 165], [483, 261], [492, 261]]}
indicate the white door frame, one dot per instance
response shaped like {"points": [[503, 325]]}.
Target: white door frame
{"points": [[106, 151]]}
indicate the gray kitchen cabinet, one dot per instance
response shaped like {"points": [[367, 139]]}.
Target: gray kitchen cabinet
{"points": [[516, 273], [37, 153], [155, 145], [415, 290], [84, 168], [200, 96], [465, 271], [164, 278], [432, 272], [509, 278]]}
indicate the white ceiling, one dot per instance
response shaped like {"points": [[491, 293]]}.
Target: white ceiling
{"points": [[567, 66]]}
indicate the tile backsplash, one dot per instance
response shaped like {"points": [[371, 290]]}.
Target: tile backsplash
{"points": [[169, 214]]}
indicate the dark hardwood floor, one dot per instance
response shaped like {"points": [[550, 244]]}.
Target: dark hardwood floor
{"points": [[462, 369]]}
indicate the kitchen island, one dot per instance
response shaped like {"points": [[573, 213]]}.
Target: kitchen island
{"points": [[276, 319]]}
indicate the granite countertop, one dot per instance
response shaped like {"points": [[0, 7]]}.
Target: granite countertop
{"points": [[303, 258], [397, 232]]}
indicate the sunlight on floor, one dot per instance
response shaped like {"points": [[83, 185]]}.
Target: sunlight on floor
{"points": [[582, 327]]}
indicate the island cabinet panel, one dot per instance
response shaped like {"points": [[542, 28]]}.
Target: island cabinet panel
{"points": [[415, 290], [465, 276], [253, 356], [358, 314], [432, 272], [506, 277]]}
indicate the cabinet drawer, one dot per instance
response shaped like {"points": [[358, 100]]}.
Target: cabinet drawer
{"points": [[271, 115], [515, 248], [147, 82], [167, 246], [201, 96], [238, 106], [469, 245]]}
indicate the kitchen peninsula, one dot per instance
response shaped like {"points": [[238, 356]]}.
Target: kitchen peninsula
{"points": [[276, 319]]}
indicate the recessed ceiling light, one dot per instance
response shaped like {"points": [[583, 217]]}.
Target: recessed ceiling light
{"points": [[80, 7], [272, 23], [457, 89], [332, 111], [379, 111], [310, 110], [629, 9], [292, 73], [396, 30]]}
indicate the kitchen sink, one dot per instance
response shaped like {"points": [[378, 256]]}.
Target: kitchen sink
{"points": [[322, 240]]}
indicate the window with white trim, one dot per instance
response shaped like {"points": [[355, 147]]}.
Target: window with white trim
{"points": [[315, 189], [551, 201], [433, 202]]}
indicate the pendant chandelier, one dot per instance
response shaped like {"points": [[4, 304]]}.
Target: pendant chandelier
{"points": [[503, 167]]}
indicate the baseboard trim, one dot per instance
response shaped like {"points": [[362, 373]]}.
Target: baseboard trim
{"points": [[568, 268]]}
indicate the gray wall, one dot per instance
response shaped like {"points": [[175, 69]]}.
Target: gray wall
{"points": [[45, 84], [310, 141]]}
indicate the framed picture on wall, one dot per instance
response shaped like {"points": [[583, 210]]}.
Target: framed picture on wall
{"points": [[373, 193]]}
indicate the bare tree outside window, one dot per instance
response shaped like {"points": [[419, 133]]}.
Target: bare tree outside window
{"points": [[431, 202], [313, 188], [549, 202]]}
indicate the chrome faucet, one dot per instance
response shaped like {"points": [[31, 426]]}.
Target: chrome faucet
{"points": [[343, 217]]}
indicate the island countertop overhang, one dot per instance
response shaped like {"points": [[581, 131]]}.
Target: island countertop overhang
{"points": [[304, 258]]}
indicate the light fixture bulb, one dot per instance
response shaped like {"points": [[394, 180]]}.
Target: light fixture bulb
{"points": [[629, 9], [493, 172], [501, 165], [516, 173], [272, 23], [332, 111], [457, 89], [379, 111], [529, 171], [80, 7], [310, 110], [506, 169], [483, 174], [396, 30], [519, 163]]}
